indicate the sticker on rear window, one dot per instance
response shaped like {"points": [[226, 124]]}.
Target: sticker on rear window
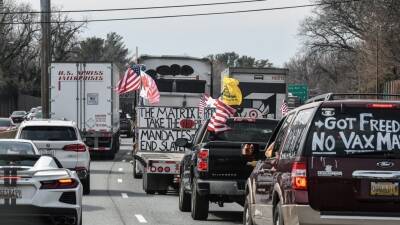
{"points": [[328, 112], [365, 132], [328, 172]]}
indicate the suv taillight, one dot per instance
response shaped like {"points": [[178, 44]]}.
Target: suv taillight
{"points": [[202, 160], [59, 184], [299, 176], [75, 148]]}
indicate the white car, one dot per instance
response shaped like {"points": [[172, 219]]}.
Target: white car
{"points": [[34, 185], [60, 139]]}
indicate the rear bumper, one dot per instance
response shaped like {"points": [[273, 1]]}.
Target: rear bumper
{"points": [[221, 187], [305, 215], [25, 210]]}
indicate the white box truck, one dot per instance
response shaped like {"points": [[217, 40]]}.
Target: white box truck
{"points": [[84, 93], [181, 82]]}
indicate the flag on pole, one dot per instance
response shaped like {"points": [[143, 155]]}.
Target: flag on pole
{"points": [[149, 89], [130, 81], [206, 101], [284, 108], [223, 111]]}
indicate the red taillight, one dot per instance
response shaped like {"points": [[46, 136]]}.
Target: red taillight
{"points": [[382, 106], [75, 148], [299, 176], [59, 184], [167, 169], [203, 154], [160, 169], [202, 160]]}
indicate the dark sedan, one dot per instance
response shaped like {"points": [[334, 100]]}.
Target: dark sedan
{"points": [[18, 116]]}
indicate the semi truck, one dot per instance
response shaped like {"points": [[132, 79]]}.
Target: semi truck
{"points": [[181, 81], [84, 93]]}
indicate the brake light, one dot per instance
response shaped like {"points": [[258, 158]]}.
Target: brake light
{"points": [[299, 176], [75, 148], [59, 184], [202, 160], [203, 154], [382, 106]]}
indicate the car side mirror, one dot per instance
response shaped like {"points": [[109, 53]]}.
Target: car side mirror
{"points": [[183, 142]]}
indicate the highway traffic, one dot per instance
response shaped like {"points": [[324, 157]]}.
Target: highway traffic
{"points": [[117, 198]]}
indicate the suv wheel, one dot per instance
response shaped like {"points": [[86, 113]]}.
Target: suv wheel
{"points": [[184, 198], [247, 218], [199, 204], [277, 216], [86, 185], [136, 175]]}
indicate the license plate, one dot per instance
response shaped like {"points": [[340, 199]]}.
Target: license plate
{"points": [[47, 152], [384, 189], [10, 193]]}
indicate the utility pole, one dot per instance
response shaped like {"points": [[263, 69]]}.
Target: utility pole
{"points": [[45, 56]]}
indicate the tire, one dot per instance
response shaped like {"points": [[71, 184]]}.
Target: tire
{"points": [[184, 199], [277, 215], [136, 175], [162, 192], [200, 204], [150, 192], [247, 217], [86, 185]]}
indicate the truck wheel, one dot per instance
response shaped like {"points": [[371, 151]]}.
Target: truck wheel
{"points": [[162, 192], [136, 175], [150, 192], [86, 185], [277, 216], [247, 217], [184, 199], [199, 204]]}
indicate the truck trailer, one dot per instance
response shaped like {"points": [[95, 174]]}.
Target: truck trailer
{"points": [[84, 93]]}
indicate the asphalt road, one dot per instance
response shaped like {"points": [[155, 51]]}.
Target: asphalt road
{"points": [[118, 199]]}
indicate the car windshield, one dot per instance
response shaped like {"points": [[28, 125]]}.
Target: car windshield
{"points": [[245, 131], [18, 113], [5, 122], [354, 131], [48, 133], [16, 148]]}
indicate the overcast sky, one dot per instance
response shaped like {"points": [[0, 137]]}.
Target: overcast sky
{"points": [[269, 34]]}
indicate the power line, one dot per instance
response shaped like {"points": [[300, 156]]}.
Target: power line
{"points": [[190, 15], [139, 8]]}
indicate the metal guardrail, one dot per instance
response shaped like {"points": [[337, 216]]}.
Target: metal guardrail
{"points": [[338, 96]]}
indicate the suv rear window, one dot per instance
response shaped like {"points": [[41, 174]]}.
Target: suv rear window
{"points": [[354, 131], [48, 133], [245, 131]]}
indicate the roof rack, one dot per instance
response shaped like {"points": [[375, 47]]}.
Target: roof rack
{"points": [[338, 96]]}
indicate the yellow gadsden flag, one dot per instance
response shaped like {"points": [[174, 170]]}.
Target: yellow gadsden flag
{"points": [[231, 94]]}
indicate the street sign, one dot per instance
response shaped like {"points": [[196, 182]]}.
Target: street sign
{"points": [[299, 90]]}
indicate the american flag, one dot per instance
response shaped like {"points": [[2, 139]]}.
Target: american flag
{"points": [[218, 120], [149, 88], [206, 101], [284, 108], [130, 82]]}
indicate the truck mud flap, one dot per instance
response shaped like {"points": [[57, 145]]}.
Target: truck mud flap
{"points": [[139, 159]]}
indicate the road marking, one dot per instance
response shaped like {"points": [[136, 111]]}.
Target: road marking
{"points": [[120, 169], [140, 218], [124, 195], [119, 180], [123, 160]]}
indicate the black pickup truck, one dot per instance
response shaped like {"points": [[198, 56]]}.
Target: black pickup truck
{"points": [[216, 166]]}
